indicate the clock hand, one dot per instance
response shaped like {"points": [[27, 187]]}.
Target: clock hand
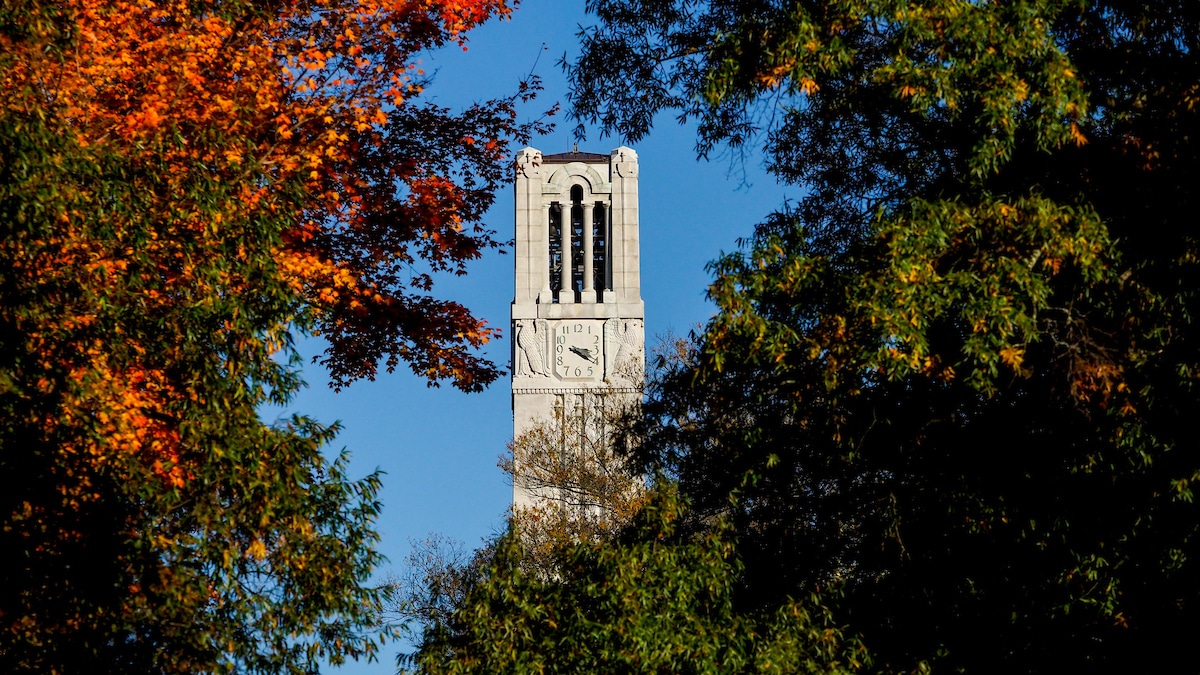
{"points": [[584, 353]]}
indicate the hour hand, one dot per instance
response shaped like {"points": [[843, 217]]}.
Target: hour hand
{"points": [[584, 353]]}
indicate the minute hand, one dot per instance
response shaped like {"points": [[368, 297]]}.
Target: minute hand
{"points": [[584, 353]]}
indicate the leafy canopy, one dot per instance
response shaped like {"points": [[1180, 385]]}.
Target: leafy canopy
{"points": [[183, 187], [959, 373], [656, 600]]}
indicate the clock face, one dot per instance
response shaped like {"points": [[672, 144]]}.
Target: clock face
{"points": [[579, 350]]}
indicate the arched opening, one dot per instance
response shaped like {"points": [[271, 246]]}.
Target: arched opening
{"points": [[579, 247], [556, 252], [601, 275], [577, 207]]}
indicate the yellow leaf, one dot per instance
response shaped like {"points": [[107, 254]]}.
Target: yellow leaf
{"points": [[1012, 356]]}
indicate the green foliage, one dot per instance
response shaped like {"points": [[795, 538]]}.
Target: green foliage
{"points": [[656, 601], [152, 522], [959, 374], [175, 205]]}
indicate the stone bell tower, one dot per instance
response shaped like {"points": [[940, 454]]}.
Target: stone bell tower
{"points": [[577, 317]]}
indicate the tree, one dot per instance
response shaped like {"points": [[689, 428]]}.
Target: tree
{"points": [[656, 600], [433, 583], [578, 489], [184, 187], [959, 373], [576, 472]]}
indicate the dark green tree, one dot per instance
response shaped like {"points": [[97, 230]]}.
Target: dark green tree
{"points": [[656, 600], [959, 374]]}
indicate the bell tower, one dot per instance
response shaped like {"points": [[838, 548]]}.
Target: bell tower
{"points": [[577, 317]]}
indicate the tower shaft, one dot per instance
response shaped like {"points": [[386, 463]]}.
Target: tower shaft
{"points": [[577, 314]]}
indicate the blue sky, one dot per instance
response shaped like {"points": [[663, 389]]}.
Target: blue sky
{"points": [[439, 447]]}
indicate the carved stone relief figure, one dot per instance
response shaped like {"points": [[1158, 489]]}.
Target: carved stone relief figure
{"points": [[624, 344], [531, 348]]}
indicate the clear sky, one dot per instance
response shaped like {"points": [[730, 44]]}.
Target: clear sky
{"points": [[438, 447]]}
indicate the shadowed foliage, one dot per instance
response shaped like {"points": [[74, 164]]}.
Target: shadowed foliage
{"points": [[957, 377]]}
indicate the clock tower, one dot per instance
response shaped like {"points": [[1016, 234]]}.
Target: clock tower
{"points": [[577, 318]]}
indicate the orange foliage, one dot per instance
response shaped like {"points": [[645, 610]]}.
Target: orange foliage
{"points": [[293, 91], [268, 102], [263, 99], [187, 182]]}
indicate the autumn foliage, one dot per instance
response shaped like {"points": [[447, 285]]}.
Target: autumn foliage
{"points": [[577, 483], [275, 102], [183, 187]]}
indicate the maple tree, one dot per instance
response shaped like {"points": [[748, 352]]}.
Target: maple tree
{"points": [[184, 186], [957, 378]]}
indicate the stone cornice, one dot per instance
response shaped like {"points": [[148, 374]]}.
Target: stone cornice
{"points": [[577, 390]]}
